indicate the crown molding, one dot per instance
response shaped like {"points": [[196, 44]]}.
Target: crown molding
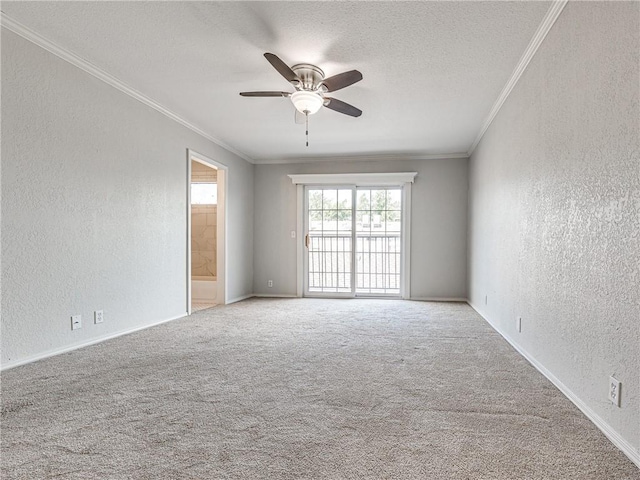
{"points": [[547, 22], [37, 39], [360, 158]]}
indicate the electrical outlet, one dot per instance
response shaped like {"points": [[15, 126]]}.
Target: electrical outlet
{"points": [[98, 316], [76, 322], [519, 324], [270, 283], [486, 298], [293, 234], [614, 391]]}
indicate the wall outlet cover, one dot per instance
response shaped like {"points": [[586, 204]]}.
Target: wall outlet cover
{"points": [[519, 324], [614, 391], [76, 322], [98, 316]]}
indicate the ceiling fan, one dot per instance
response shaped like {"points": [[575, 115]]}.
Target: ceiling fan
{"points": [[311, 86]]}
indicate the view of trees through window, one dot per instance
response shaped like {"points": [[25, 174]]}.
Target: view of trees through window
{"points": [[375, 207]]}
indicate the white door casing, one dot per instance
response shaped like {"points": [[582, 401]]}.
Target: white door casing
{"points": [[399, 179], [221, 230]]}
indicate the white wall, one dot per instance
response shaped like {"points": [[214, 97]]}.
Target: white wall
{"points": [[94, 207], [438, 226], [555, 210]]}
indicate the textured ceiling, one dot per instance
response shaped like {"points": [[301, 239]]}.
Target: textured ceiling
{"points": [[432, 70]]}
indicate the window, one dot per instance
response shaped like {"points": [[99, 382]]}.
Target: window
{"points": [[204, 193]]}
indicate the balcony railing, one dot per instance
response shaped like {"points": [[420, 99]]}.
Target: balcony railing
{"points": [[377, 262]]}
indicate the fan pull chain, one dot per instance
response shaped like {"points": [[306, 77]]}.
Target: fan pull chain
{"points": [[306, 116]]}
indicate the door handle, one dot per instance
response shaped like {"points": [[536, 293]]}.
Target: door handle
{"points": [[306, 240]]}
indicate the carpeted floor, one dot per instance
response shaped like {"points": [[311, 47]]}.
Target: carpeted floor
{"points": [[300, 389]]}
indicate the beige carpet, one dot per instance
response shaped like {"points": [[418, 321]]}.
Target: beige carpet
{"points": [[300, 389]]}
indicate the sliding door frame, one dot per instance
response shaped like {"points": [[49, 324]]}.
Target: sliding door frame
{"points": [[305, 257], [399, 179]]}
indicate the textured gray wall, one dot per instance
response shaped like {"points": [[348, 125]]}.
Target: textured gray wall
{"points": [[94, 206], [555, 209], [438, 225]]}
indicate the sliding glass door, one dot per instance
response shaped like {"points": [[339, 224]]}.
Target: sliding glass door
{"points": [[329, 241], [353, 241], [378, 242]]}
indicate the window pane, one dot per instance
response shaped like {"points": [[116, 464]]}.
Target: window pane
{"points": [[330, 199], [344, 199], [315, 199], [330, 222], [364, 200], [378, 199], [315, 220], [204, 193], [393, 221], [394, 199]]}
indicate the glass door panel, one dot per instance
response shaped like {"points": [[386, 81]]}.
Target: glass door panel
{"points": [[329, 241], [378, 241]]}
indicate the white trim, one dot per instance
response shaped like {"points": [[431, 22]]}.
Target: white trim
{"points": [[360, 158], [221, 226], [356, 179], [189, 293], [379, 296], [354, 240], [58, 351], [608, 430], [241, 298], [438, 299], [405, 279], [28, 34], [333, 295], [222, 232], [267, 295], [300, 240], [547, 22]]}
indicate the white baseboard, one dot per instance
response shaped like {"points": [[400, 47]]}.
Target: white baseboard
{"points": [[610, 433], [438, 299], [269, 295], [260, 295], [417, 299], [58, 351], [239, 299]]}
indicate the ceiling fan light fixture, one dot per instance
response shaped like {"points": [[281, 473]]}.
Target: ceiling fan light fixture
{"points": [[307, 102]]}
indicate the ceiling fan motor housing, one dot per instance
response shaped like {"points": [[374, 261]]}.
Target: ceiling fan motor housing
{"points": [[310, 76]]}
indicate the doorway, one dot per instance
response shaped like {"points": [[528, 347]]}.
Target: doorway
{"points": [[353, 241], [206, 232]]}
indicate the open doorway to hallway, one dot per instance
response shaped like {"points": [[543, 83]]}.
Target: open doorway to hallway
{"points": [[206, 233]]}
